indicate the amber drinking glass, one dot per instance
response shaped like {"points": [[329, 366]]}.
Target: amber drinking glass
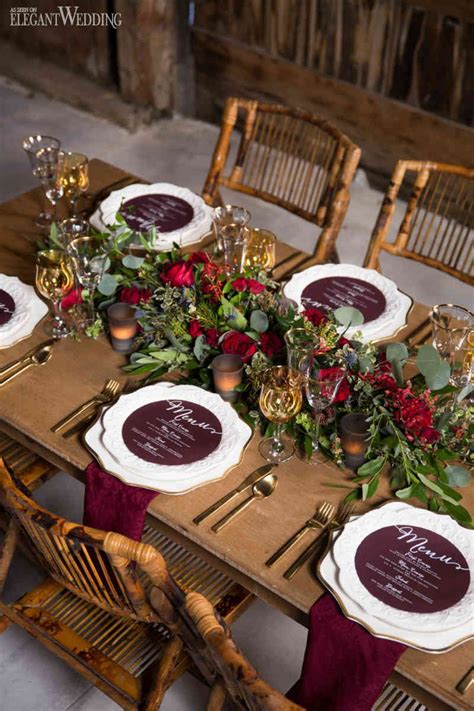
{"points": [[281, 399], [260, 249], [453, 328], [75, 178], [53, 281]]}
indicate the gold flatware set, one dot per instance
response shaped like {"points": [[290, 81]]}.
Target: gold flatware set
{"points": [[107, 394], [262, 488], [39, 355]]}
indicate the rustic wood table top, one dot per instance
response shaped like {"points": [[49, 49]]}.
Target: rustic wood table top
{"points": [[32, 403]]}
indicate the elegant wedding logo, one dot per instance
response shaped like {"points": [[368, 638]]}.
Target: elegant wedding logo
{"points": [[63, 16]]}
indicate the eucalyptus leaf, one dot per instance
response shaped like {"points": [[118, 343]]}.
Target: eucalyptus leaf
{"points": [[348, 316], [397, 370], [396, 351], [259, 321], [458, 475], [428, 359], [440, 378], [132, 262], [108, 284]]}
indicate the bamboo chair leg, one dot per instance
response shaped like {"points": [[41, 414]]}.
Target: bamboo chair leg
{"points": [[8, 550], [217, 697], [163, 674]]}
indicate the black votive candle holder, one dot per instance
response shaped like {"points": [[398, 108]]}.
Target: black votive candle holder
{"points": [[354, 439]]}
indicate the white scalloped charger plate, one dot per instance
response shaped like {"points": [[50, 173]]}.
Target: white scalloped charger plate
{"points": [[432, 642], [191, 233], [344, 551], [388, 323], [32, 309], [167, 481]]}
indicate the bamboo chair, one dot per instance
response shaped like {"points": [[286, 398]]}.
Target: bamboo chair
{"points": [[291, 158], [93, 611], [437, 227]]}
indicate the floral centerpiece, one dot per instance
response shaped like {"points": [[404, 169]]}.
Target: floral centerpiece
{"points": [[189, 310]]}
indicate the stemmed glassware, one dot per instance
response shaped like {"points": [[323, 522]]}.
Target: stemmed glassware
{"points": [[259, 249], [75, 178], [321, 388], [230, 222], [89, 259], [49, 170], [72, 228], [281, 399], [453, 328], [53, 281], [300, 344], [31, 146]]}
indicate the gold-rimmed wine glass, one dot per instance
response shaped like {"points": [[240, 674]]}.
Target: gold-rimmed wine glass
{"points": [[49, 169], [75, 178], [281, 399], [88, 256], [452, 328], [31, 145], [54, 280], [259, 249], [300, 343]]}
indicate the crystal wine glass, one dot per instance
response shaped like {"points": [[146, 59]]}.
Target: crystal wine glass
{"points": [[75, 178], [53, 281], [452, 326], [321, 387], [300, 343], [49, 170], [89, 259], [229, 224], [31, 145], [281, 399], [72, 228]]}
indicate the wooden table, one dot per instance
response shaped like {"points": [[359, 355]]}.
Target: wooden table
{"points": [[78, 370]]}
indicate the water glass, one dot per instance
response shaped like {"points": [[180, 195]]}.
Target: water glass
{"points": [[452, 327], [49, 168], [90, 261], [300, 343], [321, 388], [31, 145], [232, 220]]}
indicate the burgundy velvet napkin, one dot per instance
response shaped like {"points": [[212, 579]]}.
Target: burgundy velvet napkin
{"points": [[111, 505], [344, 667]]}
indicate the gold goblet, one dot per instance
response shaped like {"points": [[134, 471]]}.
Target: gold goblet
{"points": [[260, 249], [75, 178], [53, 281], [281, 399]]}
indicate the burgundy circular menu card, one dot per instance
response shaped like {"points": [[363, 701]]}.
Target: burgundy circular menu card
{"points": [[172, 432], [7, 307], [412, 569], [335, 291], [165, 212]]}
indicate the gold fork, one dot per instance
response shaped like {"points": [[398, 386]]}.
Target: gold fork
{"points": [[320, 519], [343, 514], [108, 392]]}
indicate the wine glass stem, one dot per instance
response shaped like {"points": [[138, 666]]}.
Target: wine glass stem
{"points": [[317, 421], [90, 305], [58, 319], [277, 444]]}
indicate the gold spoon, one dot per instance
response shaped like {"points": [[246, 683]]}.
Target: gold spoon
{"points": [[40, 357], [260, 490]]}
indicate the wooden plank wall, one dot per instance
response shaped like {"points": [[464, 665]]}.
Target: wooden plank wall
{"points": [[372, 66]]}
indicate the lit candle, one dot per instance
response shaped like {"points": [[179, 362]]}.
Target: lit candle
{"points": [[354, 439], [123, 326], [227, 371]]}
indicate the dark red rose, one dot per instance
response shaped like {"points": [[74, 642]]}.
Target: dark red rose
{"points": [[429, 435], [133, 295], [334, 374], [240, 344], [74, 297], [199, 258], [212, 337], [271, 344], [315, 316], [194, 329], [342, 342], [255, 287], [240, 284], [178, 274]]}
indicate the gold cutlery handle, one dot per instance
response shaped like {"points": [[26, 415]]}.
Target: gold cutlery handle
{"points": [[14, 364], [212, 509], [79, 426], [72, 415], [10, 377], [232, 514], [302, 558], [290, 543]]}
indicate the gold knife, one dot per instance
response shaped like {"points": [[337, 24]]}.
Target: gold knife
{"points": [[22, 359], [248, 481]]}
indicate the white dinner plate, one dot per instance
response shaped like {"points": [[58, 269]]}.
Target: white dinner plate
{"points": [[29, 311]]}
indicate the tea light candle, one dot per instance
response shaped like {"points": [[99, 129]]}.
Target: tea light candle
{"points": [[123, 326], [227, 372], [354, 439]]}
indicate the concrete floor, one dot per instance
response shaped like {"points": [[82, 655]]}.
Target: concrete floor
{"points": [[175, 151]]}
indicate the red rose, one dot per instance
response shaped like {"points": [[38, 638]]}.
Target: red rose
{"points": [[194, 329], [133, 295], [342, 342], [255, 287], [315, 316], [240, 344], [212, 337], [240, 284], [199, 258], [334, 374], [74, 297], [429, 435], [271, 344], [178, 274]]}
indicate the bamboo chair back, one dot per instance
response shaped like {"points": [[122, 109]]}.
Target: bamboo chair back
{"points": [[234, 673], [97, 566], [288, 157], [438, 224]]}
